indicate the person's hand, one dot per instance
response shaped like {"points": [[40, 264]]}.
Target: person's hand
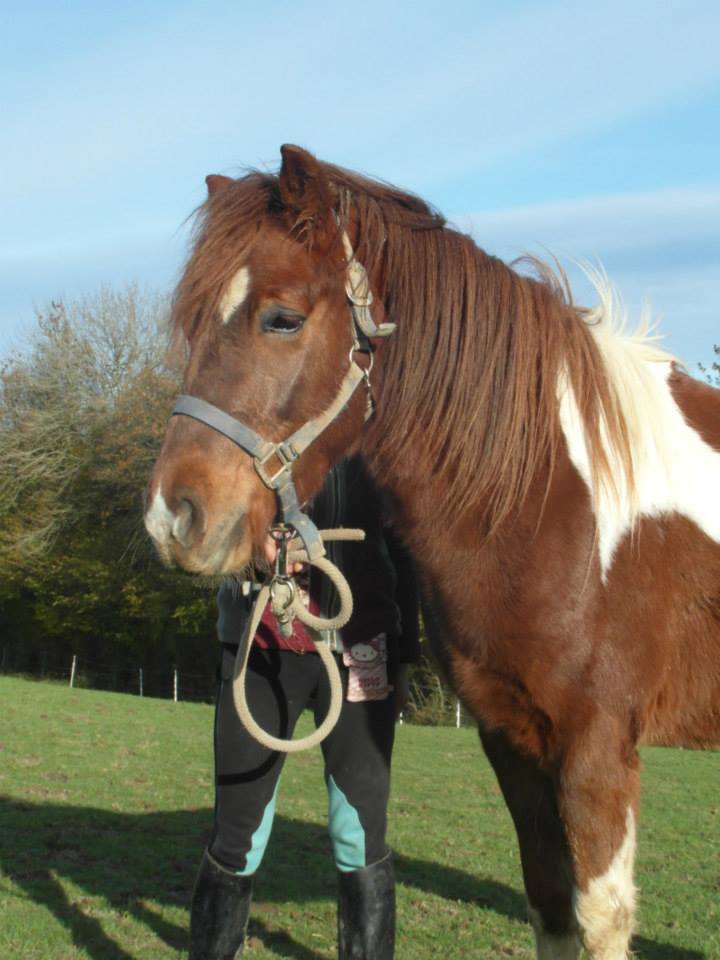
{"points": [[402, 689], [271, 551]]}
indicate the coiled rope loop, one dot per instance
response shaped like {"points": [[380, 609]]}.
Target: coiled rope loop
{"points": [[283, 594]]}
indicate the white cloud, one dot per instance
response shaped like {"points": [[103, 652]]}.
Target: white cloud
{"points": [[612, 224]]}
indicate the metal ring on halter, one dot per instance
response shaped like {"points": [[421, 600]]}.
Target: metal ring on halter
{"points": [[356, 348], [287, 601]]}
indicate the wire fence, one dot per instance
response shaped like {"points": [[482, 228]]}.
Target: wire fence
{"points": [[430, 703], [171, 683]]}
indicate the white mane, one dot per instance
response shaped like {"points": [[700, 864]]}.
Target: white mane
{"points": [[674, 470]]}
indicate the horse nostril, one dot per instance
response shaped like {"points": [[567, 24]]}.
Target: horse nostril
{"points": [[186, 518]]}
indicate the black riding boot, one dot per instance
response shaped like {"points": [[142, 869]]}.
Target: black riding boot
{"points": [[219, 912], [366, 912]]}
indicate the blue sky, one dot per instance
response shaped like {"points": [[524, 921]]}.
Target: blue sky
{"points": [[585, 130]]}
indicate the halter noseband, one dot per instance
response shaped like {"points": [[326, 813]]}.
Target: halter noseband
{"points": [[286, 452]]}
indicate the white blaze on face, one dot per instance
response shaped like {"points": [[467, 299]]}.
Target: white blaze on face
{"points": [[606, 910], [235, 295], [159, 519]]}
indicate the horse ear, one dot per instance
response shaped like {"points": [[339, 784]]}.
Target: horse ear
{"points": [[304, 186], [217, 182]]}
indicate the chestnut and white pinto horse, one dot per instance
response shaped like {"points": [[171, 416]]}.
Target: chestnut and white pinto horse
{"points": [[557, 482]]}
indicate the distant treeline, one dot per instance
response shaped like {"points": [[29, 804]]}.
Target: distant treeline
{"points": [[82, 412]]}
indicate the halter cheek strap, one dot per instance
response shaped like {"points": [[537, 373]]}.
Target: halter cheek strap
{"points": [[277, 476]]}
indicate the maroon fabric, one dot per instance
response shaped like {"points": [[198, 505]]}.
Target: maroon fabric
{"points": [[268, 634]]}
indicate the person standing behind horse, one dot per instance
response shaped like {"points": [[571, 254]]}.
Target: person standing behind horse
{"points": [[285, 675]]}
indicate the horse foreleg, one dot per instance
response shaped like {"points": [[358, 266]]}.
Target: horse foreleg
{"points": [[598, 797], [546, 861]]}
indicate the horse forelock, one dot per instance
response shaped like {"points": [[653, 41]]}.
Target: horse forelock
{"points": [[227, 224], [224, 230]]}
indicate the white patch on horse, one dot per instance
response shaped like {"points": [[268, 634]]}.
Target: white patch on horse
{"points": [[553, 946], [235, 295], [606, 910], [159, 519], [675, 471]]}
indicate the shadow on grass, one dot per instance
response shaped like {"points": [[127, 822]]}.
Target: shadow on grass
{"points": [[142, 863], [645, 949]]}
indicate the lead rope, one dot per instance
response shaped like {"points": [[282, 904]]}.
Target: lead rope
{"points": [[288, 605]]}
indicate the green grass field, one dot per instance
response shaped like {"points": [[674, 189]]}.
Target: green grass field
{"points": [[106, 805]]}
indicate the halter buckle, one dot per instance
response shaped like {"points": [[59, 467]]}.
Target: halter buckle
{"points": [[285, 453]]}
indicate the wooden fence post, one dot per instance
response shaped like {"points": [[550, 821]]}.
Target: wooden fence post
{"points": [[73, 668]]}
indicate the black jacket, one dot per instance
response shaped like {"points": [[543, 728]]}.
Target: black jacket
{"points": [[379, 570]]}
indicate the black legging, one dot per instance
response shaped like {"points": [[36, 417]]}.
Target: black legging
{"points": [[357, 754]]}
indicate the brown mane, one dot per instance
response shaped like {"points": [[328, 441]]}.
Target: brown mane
{"points": [[483, 347]]}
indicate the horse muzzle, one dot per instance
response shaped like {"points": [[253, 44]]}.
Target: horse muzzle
{"points": [[183, 536]]}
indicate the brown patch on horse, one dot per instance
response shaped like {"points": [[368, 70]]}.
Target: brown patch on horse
{"points": [[700, 405], [661, 636]]}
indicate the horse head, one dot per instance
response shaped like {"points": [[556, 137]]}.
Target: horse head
{"points": [[263, 310]]}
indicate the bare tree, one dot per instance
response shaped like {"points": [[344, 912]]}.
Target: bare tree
{"points": [[59, 399]]}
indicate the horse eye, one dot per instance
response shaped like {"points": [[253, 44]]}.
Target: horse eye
{"points": [[281, 321]]}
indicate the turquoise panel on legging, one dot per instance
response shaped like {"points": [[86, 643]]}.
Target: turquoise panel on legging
{"points": [[346, 832], [259, 840]]}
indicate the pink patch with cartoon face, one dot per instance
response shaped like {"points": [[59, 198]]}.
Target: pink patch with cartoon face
{"points": [[367, 670]]}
